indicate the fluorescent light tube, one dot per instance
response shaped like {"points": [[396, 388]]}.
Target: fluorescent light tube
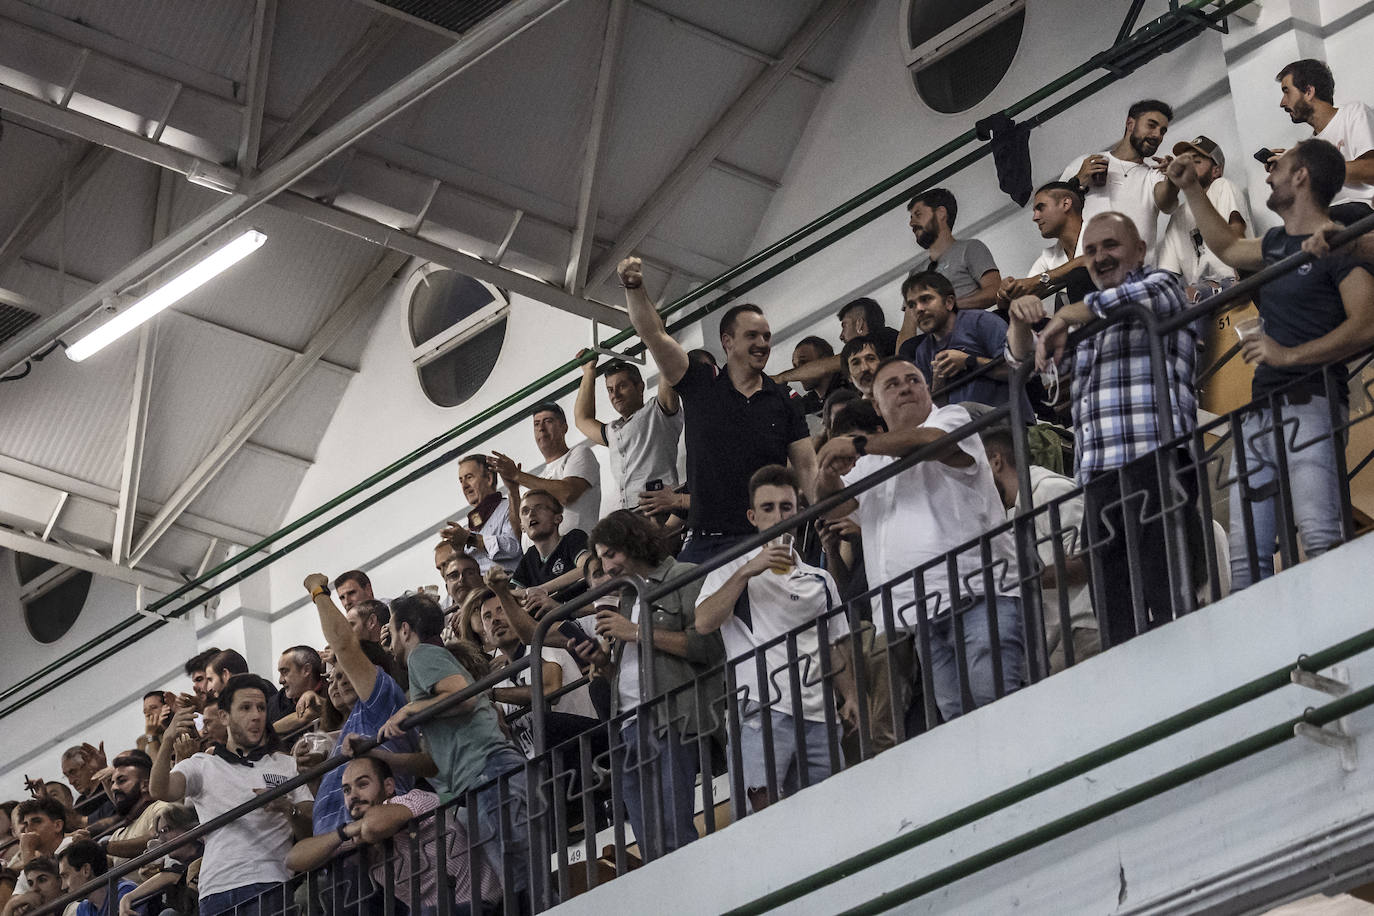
{"points": [[172, 291]]}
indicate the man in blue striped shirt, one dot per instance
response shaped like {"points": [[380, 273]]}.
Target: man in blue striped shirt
{"points": [[1119, 423]]}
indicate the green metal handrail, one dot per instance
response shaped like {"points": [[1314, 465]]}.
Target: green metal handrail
{"points": [[1150, 788], [1158, 36], [1108, 753]]}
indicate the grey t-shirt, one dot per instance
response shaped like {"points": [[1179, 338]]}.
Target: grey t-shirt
{"points": [[964, 265], [460, 743]]}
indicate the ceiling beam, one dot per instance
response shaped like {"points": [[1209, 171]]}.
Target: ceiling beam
{"points": [[131, 57], [355, 304], [491, 33], [50, 200], [375, 149], [255, 94], [731, 44], [593, 152], [131, 465], [92, 563], [398, 240], [326, 92], [103, 496], [686, 173]]}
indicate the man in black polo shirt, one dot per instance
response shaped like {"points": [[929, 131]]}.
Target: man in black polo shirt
{"points": [[737, 421], [551, 570]]}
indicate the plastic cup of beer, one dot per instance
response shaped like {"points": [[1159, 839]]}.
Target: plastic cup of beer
{"points": [[1250, 328], [784, 541]]}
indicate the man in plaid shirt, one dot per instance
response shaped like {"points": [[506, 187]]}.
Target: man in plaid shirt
{"points": [[1117, 422]]}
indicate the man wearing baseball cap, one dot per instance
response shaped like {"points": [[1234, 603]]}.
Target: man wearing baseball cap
{"points": [[1183, 250]]}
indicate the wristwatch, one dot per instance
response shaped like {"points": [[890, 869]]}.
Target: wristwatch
{"points": [[1045, 280], [860, 445], [343, 835]]}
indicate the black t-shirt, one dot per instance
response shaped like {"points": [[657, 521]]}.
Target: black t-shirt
{"points": [[1301, 305], [535, 570], [1078, 283], [886, 339], [729, 437], [279, 705]]}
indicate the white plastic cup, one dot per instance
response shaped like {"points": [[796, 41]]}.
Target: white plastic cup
{"points": [[784, 541], [1250, 328]]}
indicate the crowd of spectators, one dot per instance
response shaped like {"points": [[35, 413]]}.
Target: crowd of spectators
{"points": [[841, 598]]}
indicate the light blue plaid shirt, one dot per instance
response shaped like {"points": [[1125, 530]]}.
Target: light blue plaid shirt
{"points": [[1113, 390]]}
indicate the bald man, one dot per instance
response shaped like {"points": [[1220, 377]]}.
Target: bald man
{"points": [[1118, 432]]}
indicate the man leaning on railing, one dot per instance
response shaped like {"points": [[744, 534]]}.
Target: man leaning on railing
{"points": [[1319, 314], [1119, 423], [377, 812], [915, 518]]}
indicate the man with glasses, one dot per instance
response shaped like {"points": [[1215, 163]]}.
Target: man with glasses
{"points": [[462, 576]]}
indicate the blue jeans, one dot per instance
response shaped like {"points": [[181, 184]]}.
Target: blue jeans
{"points": [[249, 900], [1314, 488], [491, 802], [674, 784], [787, 755], [978, 654]]}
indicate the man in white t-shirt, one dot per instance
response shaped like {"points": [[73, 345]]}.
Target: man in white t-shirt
{"points": [[914, 520], [1048, 487], [245, 859], [1121, 178], [572, 475], [1184, 251], [1057, 211], [1308, 95], [642, 440], [753, 600]]}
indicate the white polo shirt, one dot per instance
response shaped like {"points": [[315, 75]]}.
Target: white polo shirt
{"points": [[925, 512], [578, 461], [777, 605], [643, 447], [252, 849], [1351, 130]]}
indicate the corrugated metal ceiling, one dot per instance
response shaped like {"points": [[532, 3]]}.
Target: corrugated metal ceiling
{"points": [[507, 133]]}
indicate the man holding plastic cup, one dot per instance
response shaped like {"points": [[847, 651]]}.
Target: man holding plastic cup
{"points": [[753, 600], [1318, 315]]}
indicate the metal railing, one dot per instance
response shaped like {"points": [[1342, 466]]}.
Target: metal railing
{"points": [[579, 790], [1166, 33]]}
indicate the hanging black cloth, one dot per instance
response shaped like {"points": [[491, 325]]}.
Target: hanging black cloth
{"points": [[1010, 153]]}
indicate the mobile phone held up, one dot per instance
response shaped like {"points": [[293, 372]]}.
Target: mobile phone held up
{"points": [[574, 633]]}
